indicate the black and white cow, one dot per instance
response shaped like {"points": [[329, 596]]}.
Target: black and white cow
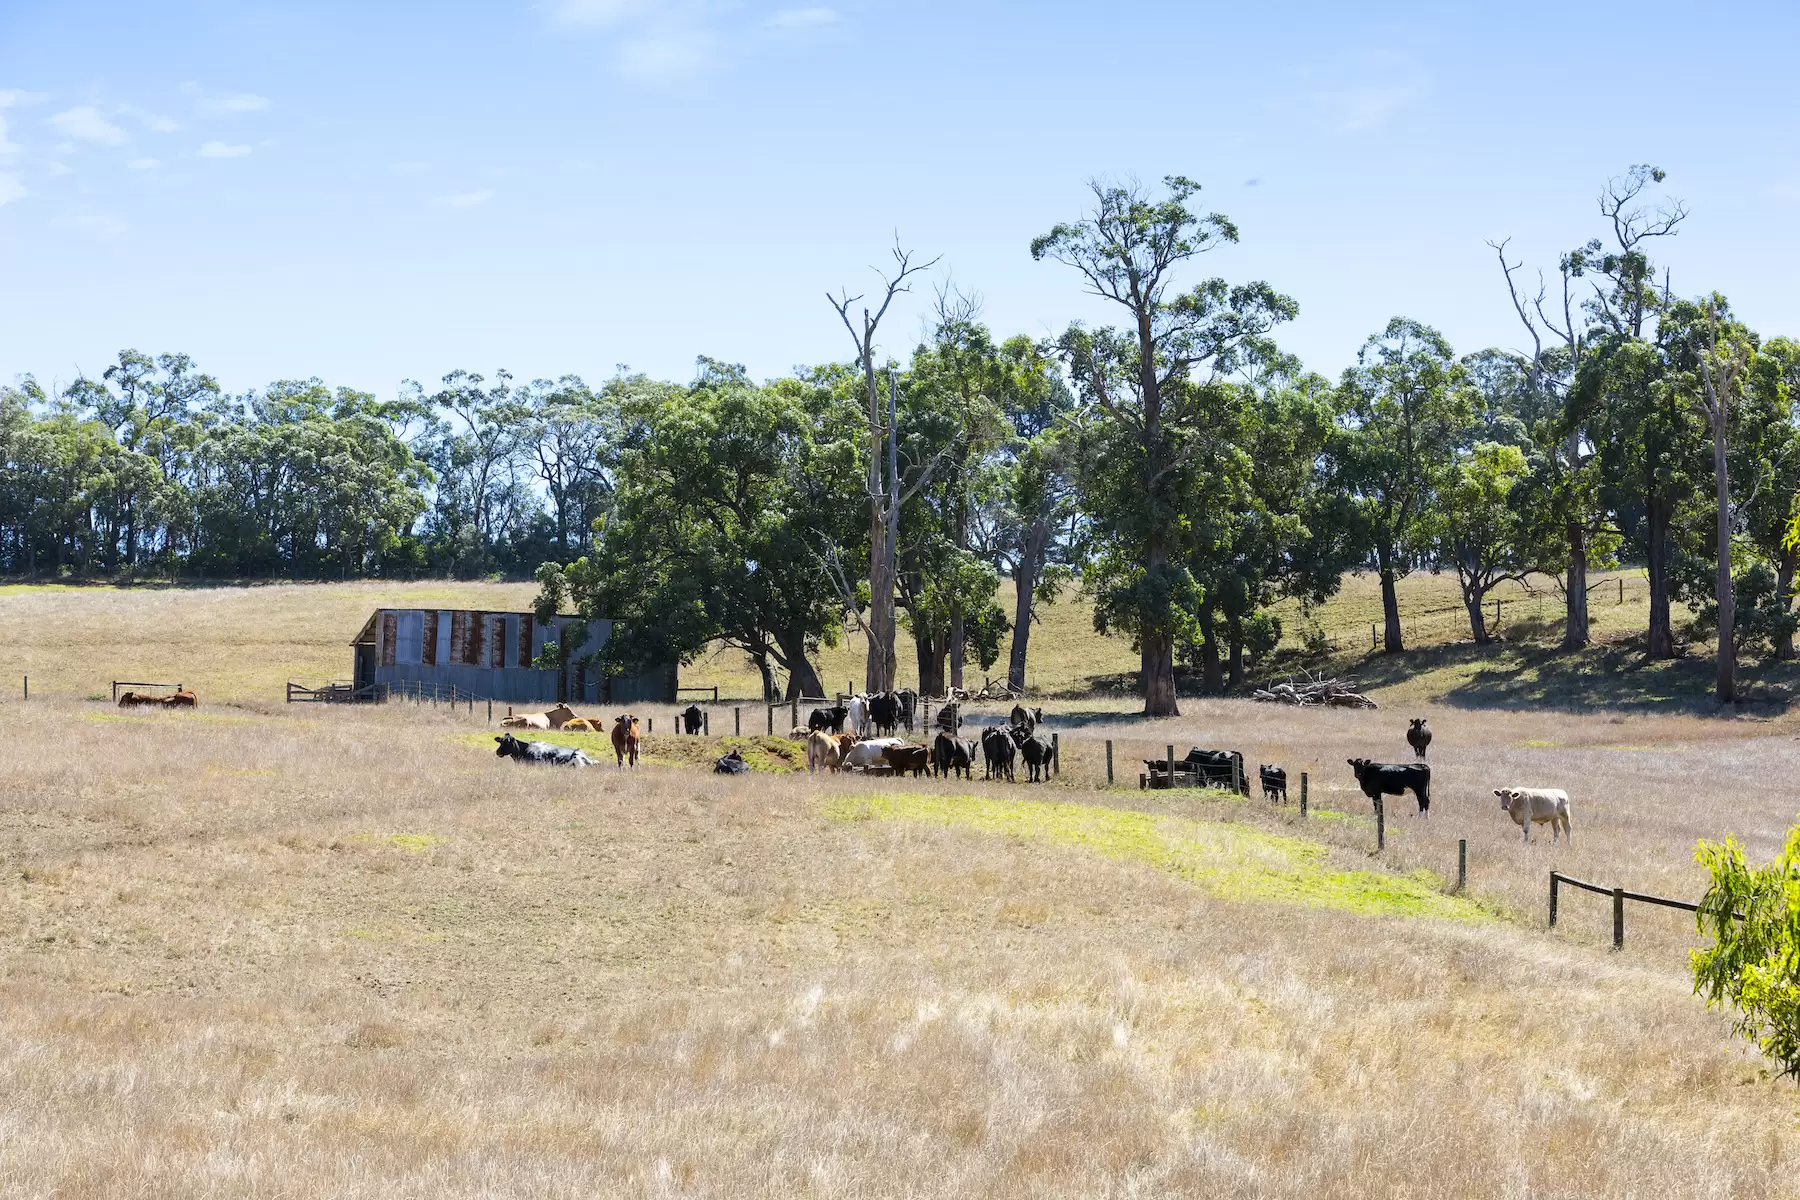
{"points": [[540, 752]]}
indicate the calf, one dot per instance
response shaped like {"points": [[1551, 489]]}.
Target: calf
{"points": [[916, 759], [822, 752], [692, 719], [949, 754], [730, 763], [1394, 779], [1274, 783], [831, 720], [1535, 806], [1035, 749], [540, 752], [1418, 736], [625, 739], [998, 750], [584, 725]]}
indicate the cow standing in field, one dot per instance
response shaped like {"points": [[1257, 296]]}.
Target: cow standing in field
{"points": [[953, 755], [692, 720], [1537, 806], [947, 718], [1274, 783], [625, 739], [998, 750], [884, 711], [904, 759], [822, 752], [872, 753], [856, 710], [1036, 750], [540, 752], [1394, 779], [1418, 736], [831, 720], [1030, 718], [909, 705]]}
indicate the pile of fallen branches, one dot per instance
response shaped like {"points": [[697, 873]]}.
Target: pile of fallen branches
{"points": [[1306, 689]]}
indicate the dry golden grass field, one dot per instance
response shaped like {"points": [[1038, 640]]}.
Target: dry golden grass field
{"points": [[263, 950]]}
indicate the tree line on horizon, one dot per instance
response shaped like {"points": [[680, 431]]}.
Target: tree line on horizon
{"points": [[1183, 468]]}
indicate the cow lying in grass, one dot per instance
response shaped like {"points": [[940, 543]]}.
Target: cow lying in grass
{"points": [[540, 752], [1394, 779], [1536, 806], [172, 700], [730, 763], [554, 718]]}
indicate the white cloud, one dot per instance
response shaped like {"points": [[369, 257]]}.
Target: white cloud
{"points": [[464, 199], [804, 18], [86, 123], [10, 97], [220, 103], [10, 188], [223, 150], [6, 147], [156, 124], [144, 164], [667, 53], [1362, 109]]}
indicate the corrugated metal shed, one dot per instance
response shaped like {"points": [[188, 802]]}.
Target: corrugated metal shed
{"points": [[489, 654]]}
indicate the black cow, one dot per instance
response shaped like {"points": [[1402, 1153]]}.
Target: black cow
{"points": [[884, 712], [1394, 779], [730, 763], [831, 720], [1418, 736], [540, 752], [692, 720], [949, 754], [998, 750], [1274, 783], [1211, 768], [1030, 718], [1035, 749], [947, 718], [909, 706]]}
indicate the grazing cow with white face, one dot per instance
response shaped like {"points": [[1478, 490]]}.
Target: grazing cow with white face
{"points": [[1535, 806]]}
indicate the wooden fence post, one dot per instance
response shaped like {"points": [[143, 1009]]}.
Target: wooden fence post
{"points": [[1462, 863], [1055, 753], [771, 720], [706, 722], [1553, 899], [1169, 767], [1303, 793], [490, 710], [1109, 778], [737, 721], [28, 687], [1618, 895], [1380, 825], [1621, 589], [1237, 776], [794, 713], [650, 725]]}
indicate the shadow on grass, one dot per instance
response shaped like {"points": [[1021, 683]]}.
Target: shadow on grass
{"points": [[1614, 676]]}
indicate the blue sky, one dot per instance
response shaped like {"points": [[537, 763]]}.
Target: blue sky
{"points": [[374, 191]]}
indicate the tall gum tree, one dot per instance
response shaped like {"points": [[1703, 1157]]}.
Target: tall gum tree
{"points": [[1128, 250]]}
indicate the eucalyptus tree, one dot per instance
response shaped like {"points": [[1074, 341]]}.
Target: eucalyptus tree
{"points": [[1404, 407], [1153, 386], [571, 437]]}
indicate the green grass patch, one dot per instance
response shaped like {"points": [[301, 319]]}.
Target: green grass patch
{"points": [[1232, 862], [412, 843]]}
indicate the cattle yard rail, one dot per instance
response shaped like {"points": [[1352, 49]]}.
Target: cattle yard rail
{"points": [[1619, 897], [713, 689], [138, 683]]}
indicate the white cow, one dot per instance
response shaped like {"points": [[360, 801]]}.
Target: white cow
{"points": [[868, 754], [1534, 806], [858, 719]]}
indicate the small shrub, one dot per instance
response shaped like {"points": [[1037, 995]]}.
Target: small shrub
{"points": [[1753, 966]]}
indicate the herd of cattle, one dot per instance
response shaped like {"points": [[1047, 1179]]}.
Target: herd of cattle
{"points": [[860, 734]]}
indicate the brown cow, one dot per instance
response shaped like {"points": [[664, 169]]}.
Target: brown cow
{"points": [[554, 718], [180, 700], [822, 752], [625, 739], [583, 725]]}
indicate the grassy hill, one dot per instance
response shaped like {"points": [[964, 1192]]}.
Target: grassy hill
{"points": [[245, 642]]}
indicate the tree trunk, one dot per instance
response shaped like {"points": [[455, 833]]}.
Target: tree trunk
{"points": [[931, 659], [802, 679], [1575, 591], [1024, 584], [1659, 642], [958, 648], [1157, 657], [761, 659], [1234, 634], [1726, 687], [1212, 680], [880, 625], [1784, 589], [1474, 602], [1392, 642]]}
